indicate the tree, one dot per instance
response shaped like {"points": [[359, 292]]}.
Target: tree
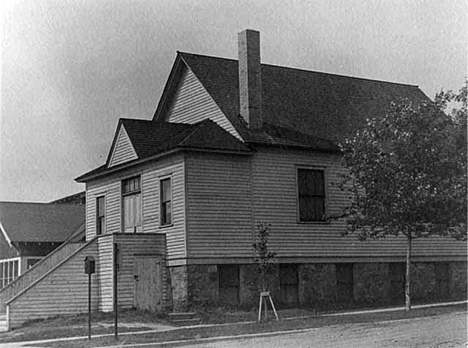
{"points": [[407, 173], [265, 260], [263, 257]]}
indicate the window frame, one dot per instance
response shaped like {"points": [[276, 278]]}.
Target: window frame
{"points": [[324, 170], [171, 222], [124, 194], [104, 230]]}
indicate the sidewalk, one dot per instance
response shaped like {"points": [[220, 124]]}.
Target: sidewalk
{"points": [[165, 328]]}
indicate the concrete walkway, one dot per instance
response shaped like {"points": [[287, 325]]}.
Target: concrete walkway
{"points": [[162, 328]]}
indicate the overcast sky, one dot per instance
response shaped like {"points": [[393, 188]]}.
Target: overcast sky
{"points": [[71, 69]]}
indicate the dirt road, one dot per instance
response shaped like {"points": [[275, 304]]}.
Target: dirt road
{"points": [[443, 331]]}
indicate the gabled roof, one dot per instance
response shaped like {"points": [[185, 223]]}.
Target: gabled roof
{"points": [[150, 138], [40, 222], [322, 105]]}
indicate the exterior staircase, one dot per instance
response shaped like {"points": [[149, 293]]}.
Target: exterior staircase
{"points": [[37, 271]]}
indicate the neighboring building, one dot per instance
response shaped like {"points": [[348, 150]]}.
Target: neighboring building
{"points": [[77, 198], [30, 231], [171, 215]]}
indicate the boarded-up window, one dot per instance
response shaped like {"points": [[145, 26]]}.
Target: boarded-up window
{"points": [[396, 272], [311, 190], [344, 282], [289, 282], [166, 202], [228, 284], [442, 279], [100, 216], [131, 192]]}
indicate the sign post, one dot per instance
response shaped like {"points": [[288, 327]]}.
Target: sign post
{"points": [[116, 269], [90, 268]]}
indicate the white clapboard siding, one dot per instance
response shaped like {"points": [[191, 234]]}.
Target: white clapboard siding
{"points": [[123, 150], [191, 103], [64, 290], [111, 190], [218, 206], [151, 174], [38, 270], [175, 234], [275, 201], [104, 269]]}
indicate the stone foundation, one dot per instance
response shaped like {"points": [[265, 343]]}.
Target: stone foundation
{"points": [[422, 280], [317, 284], [198, 285], [458, 280], [371, 283]]}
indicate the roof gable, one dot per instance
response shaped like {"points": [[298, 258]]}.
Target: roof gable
{"points": [[319, 104], [155, 138], [122, 149], [191, 103]]}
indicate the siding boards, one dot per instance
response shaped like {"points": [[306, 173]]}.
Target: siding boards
{"points": [[123, 149], [111, 190], [218, 205], [150, 175], [104, 270], [62, 291], [37, 271], [275, 201], [191, 103]]}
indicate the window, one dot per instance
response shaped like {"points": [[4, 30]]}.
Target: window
{"points": [[228, 284], [31, 262], [289, 283], [396, 273], [311, 190], [100, 215], [131, 192], [166, 203], [442, 279], [9, 271]]}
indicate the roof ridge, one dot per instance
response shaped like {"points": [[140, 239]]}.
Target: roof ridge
{"points": [[306, 70]]}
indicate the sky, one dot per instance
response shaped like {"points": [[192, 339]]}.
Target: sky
{"points": [[71, 69]]}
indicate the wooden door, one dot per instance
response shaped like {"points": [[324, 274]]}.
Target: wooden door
{"points": [[148, 283]]}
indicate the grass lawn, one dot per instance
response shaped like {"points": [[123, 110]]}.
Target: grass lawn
{"points": [[76, 326]]}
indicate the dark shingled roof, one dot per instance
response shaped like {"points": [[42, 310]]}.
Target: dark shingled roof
{"points": [[150, 138], [40, 222], [319, 104]]}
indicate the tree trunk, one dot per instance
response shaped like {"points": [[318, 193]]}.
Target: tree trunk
{"points": [[408, 274]]}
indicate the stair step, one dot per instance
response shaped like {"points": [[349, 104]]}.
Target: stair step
{"points": [[181, 316], [186, 322]]}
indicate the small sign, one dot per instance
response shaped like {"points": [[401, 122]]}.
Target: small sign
{"points": [[90, 265]]}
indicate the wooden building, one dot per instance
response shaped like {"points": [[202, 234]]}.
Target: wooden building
{"points": [[233, 143], [30, 231]]}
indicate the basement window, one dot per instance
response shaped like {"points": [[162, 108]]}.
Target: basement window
{"points": [[442, 279], [344, 282], [289, 283], [228, 284]]}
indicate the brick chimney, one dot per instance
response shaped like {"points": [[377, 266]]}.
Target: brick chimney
{"points": [[250, 80]]}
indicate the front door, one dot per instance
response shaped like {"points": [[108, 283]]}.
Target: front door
{"points": [[148, 283]]}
